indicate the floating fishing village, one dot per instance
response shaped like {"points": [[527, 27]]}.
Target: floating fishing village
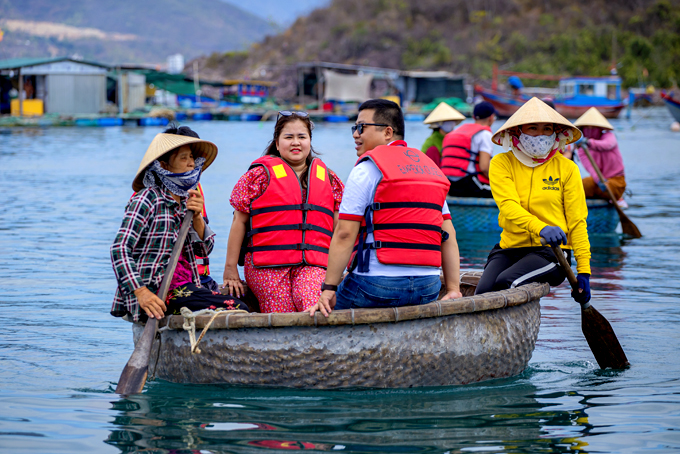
{"points": [[339, 225]]}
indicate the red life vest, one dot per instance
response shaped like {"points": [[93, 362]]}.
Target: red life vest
{"points": [[405, 216], [457, 155], [284, 229]]}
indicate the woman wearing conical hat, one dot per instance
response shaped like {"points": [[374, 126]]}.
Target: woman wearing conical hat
{"points": [[602, 144], [165, 186], [539, 194], [441, 120]]}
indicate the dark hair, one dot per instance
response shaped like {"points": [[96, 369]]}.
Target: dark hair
{"points": [[549, 102], [387, 112], [283, 120], [174, 128]]}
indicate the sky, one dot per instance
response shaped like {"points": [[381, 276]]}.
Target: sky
{"points": [[281, 12]]}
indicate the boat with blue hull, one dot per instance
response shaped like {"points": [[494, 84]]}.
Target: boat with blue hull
{"points": [[472, 214], [575, 96], [673, 105]]}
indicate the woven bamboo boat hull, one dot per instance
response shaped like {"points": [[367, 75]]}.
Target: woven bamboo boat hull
{"points": [[445, 343], [472, 214]]}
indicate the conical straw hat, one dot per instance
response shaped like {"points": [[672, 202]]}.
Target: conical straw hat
{"points": [[536, 111], [593, 117], [444, 112], [164, 143]]}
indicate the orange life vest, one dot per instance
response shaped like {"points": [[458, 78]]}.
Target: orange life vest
{"points": [[284, 229], [405, 216], [457, 154]]}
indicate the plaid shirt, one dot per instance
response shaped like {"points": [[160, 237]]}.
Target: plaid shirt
{"points": [[143, 246]]}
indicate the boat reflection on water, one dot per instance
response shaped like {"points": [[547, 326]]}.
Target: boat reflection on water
{"points": [[507, 415], [607, 260]]}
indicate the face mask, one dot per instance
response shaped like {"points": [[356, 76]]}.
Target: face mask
{"points": [[177, 183], [448, 126], [537, 146]]}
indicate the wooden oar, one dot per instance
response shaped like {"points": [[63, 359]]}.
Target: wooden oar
{"points": [[134, 374], [628, 227], [598, 332]]}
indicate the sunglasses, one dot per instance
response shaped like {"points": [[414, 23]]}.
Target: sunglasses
{"points": [[288, 113], [360, 127]]}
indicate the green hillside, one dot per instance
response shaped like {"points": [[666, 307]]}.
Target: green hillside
{"points": [[575, 37], [160, 28]]}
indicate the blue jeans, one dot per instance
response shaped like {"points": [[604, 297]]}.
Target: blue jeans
{"points": [[357, 291]]}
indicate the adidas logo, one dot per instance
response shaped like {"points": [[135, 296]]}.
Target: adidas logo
{"points": [[551, 184]]}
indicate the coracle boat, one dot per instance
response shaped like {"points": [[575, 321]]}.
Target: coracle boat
{"points": [[473, 214], [475, 338]]}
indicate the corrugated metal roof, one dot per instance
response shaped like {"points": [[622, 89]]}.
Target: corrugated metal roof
{"points": [[15, 63]]}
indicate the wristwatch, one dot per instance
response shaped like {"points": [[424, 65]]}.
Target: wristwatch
{"points": [[325, 286]]}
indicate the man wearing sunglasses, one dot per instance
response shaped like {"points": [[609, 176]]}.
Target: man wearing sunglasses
{"points": [[394, 227]]}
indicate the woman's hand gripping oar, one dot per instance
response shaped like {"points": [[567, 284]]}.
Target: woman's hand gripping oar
{"points": [[627, 226], [134, 374], [597, 330]]}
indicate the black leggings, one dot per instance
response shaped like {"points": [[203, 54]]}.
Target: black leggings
{"points": [[509, 268], [470, 186]]}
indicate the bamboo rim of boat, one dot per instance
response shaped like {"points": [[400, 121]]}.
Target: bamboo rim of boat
{"points": [[468, 304]]}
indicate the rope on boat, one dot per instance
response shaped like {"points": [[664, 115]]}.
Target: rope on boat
{"points": [[190, 324]]}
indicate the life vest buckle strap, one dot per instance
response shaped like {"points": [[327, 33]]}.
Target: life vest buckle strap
{"points": [[312, 207], [283, 227]]}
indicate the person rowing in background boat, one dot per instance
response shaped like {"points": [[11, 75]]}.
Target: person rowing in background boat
{"points": [[441, 120], [395, 217], [601, 142], [540, 196], [165, 189], [285, 206]]}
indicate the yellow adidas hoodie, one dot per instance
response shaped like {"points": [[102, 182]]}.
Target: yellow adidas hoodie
{"points": [[530, 198]]}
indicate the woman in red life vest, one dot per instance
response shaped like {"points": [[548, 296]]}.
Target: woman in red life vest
{"points": [[286, 207]]}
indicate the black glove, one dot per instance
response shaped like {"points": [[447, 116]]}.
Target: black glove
{"points": [[584, 284]]}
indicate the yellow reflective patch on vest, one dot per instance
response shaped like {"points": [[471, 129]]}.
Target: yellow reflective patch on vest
{"points": [[321, 173], [279, 171]]}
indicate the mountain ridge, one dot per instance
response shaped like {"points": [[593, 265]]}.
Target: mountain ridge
{"points": [[162, 28], [577, 37]]}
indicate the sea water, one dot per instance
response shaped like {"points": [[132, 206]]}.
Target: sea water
{"points": [[61, 353]]}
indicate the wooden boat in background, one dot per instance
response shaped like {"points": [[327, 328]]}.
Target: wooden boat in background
{"points": [[672, 104], [475, 338], [575, 94]]}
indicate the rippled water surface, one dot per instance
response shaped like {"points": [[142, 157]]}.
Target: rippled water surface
{"points": [[61, 352]]}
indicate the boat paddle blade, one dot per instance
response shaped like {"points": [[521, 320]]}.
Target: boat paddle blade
{"points": [[601, 338], [133, 377], [598, 332], [628, 227]]}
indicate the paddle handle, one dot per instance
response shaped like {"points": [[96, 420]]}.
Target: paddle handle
{"points": [[174, 256], [563, 263], [628, 227]]}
